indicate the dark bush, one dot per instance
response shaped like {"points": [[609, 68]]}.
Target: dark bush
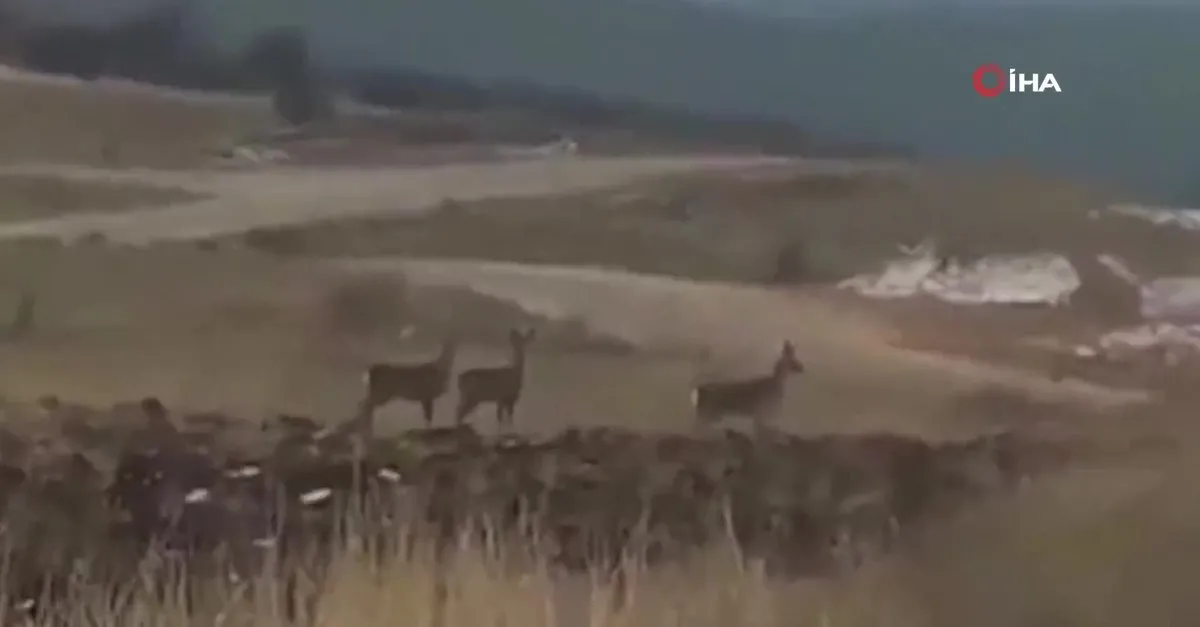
{"points": [[367, 305], [281, 57], [408, 88], [791, 264], [275, 241]]}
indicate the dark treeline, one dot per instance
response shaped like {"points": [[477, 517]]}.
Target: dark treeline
{"points": [[158, 47], [411, 88]]}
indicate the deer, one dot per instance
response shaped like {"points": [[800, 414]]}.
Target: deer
{"points": [[499, 385], [754, 397], [422, 383]]}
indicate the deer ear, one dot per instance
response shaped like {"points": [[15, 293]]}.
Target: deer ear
{"points": [[529, 333], [788, 347]]}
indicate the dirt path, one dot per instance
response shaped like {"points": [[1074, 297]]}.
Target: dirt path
{"points": [[241, 201], [662, 311]]}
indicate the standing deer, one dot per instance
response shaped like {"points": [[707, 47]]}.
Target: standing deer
{"points": [[422, 383], [748, 397], [500, 385]]}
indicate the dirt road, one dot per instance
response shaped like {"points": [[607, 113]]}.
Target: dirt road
{"points": [[241, 201]]}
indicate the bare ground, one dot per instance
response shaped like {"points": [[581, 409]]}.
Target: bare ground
{"points": [[247, 200]]}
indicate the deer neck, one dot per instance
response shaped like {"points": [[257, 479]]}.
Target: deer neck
{"points": [[445, 360], [517, 361], [780, 373]]}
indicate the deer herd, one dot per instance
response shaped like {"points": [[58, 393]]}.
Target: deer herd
{"points": [[424, 383]]}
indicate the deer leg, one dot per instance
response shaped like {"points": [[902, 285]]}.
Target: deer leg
{"points": [[427, 412], [366, 416], [509, 409], [366, 410], [465, 407], [705, 417], [501, 422], [763, 421]]}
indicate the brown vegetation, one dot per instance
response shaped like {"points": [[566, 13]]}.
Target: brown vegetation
{"points": [[95, 497]]}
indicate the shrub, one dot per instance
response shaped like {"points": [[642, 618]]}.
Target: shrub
{"points": [[791, 264], [367, 305], [281, 56]]}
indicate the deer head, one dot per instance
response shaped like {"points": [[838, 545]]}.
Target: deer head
{"points": [[520, 338], [787, 361]]}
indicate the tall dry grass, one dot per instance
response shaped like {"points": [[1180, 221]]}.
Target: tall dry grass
{"points": [[475, 586], [1090, 547]]}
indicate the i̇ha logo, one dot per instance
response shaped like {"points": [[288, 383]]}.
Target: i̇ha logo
{"points": [[990, 80]]}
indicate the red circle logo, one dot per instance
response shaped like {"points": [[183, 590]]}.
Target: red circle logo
{"points": [[988, 69]]}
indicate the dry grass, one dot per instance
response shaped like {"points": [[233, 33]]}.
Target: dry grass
{"points": [[1105, 546], [103, 124], [1089, 548], [291, 335], [27, 196], [476, 586], [286, 335]]}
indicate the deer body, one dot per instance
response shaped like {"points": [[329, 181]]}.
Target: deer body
{"points": [[756, 397], [500, 386], [422, 383]]}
